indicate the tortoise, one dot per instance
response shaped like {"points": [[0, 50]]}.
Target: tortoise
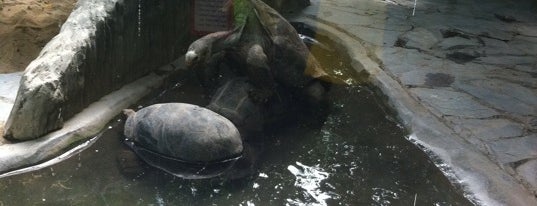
{"points": [[205, 55], [232, 101], [265, 48], [185, 140], [292, 53]]}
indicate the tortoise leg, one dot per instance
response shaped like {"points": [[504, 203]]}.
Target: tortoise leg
{"points": [[208, 75], [302, 59], [129, 164], [259, 73]]}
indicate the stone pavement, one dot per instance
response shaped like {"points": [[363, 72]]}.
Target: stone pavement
{"points": [[472, 64]]}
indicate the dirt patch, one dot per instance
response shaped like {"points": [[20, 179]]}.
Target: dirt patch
{"points": [[26, 26]]}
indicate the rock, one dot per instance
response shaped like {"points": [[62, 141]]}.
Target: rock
{"points": [[487, 129], [494, 47], [399, 60], [457, 42], [508, 61], [463, 56], [526, 44], [514, 149], [451, 103], [502, 95], [418, 38], [518, 75], [528, 171], [527, 30], [426, 78]]}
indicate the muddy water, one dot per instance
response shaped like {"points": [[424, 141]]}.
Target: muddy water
{"points": [[356, 155]]}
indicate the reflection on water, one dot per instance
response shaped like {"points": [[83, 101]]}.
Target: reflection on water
{"points": [[357, 156], [309, 179]]}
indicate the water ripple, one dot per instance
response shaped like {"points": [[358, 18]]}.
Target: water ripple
{"points": [[309, 178]]}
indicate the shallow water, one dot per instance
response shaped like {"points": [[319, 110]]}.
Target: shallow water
{"points": [[357, 155]]}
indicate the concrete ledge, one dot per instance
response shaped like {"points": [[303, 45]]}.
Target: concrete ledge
{"points": [[88, 123], [483, 181]]}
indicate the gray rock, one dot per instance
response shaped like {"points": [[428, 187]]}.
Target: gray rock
{"points": [[426, 78], [526, 44], [487, 129], [519, 75], [502, 95], [527, 30], [494, 47], [413, 78], [400, 60], [528, 171], [419, 38], [450, 103], [509, 61], [457, 42], [514, 149], [464, 55], [526, 68]]}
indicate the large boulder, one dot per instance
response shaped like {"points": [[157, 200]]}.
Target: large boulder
{"points": [[98, 50]]}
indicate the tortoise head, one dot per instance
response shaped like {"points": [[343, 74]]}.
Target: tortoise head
{"points": [[197, 53], [128, 131], [200, 51]]}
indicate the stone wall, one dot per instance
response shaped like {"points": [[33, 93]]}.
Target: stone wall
{"points": [[102, 46]]}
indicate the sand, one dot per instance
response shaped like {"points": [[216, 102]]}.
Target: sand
{"points": [[26, 26]]}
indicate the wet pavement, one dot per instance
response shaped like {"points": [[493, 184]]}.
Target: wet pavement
{"points": [[464, 71]]}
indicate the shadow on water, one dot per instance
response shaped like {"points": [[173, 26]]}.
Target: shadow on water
{"points": [[357, 156]]}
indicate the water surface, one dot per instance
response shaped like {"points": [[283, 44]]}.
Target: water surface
{"points": [[357, 155]]}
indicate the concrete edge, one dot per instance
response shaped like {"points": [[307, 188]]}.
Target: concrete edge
{"points": [[84, 125], [483, 182]]}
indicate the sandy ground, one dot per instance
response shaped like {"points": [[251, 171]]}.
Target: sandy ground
{"points": [[26, 26]]}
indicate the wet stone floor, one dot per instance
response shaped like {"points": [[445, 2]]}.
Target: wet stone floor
{"points": [[358, 155]]}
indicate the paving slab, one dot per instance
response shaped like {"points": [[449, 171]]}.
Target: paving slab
{"points": [[528, 172], [458, 42], [526, 44], [451, 103], [514, 149], [487, 129], [418, 38], [503, 95]]}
